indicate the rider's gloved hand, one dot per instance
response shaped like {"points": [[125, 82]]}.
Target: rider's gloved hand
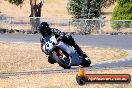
{"points": [[61, 36], [56, 32]]}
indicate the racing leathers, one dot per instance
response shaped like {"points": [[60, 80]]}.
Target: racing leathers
{"points": [[66, 38]]}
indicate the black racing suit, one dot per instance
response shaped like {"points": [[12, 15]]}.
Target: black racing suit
{"points": [[66, 39]]}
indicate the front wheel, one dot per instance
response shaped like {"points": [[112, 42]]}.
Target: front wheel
{"points": [[51, 60], [62, 61]]}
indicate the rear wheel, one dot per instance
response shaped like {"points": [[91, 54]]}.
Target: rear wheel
{"points": [[86, 63]]}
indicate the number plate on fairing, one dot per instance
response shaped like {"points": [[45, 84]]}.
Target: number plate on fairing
{"points": [[50, 41]]}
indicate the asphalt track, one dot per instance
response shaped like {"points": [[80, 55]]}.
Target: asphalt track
{"points": [[114, 41]]}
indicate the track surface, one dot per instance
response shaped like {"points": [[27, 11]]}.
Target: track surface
{"points": [[114, 41]]}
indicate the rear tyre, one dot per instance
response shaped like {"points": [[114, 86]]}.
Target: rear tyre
{"points": [[86, 63]]}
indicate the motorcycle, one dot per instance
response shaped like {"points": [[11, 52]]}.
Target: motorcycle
{"points": [[62, 53]]}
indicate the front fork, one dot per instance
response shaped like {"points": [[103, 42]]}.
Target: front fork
{"points": [[58, 52]]}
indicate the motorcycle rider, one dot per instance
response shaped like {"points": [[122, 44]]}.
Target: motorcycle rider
{"points": [[45, 30]]}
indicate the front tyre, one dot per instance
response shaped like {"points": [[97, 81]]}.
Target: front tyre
{"points": [[51, 60], [63, 62]]}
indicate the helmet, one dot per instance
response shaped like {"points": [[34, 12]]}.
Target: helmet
{"points": [[44, 28]]}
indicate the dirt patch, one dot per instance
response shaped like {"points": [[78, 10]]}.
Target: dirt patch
{"points": [[27, 56], [16, 57]]}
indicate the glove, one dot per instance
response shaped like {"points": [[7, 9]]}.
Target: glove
{"points": [[56, 31], [61, 37]]}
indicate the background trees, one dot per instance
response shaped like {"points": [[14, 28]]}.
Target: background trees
{"points": [[35, 11], [122, 11], [16, 2], [88, 8], [84, 8]]}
